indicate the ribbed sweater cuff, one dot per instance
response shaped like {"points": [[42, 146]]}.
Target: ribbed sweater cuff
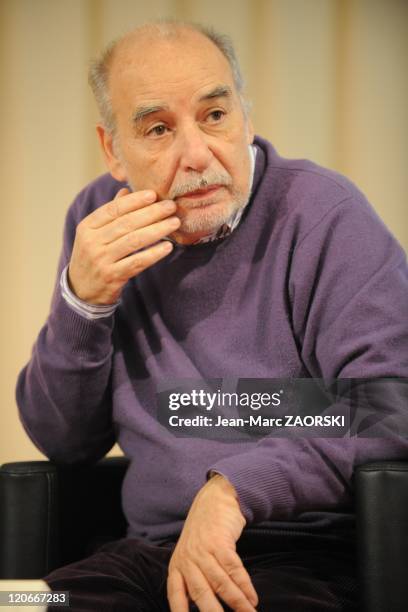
{"points": [[90, 338], [263, 489]]}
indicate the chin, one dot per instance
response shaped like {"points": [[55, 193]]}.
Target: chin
{"points": [[207, 218]]}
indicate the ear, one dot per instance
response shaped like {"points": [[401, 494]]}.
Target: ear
{"points": [[113, 162]]}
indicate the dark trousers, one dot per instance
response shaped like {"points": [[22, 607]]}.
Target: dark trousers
{"points": [[291, 573]]}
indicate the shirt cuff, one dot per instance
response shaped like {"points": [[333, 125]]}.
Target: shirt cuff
{"points": [[88, 311]]}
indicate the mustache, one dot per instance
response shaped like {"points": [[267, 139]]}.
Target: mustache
{"points": [[201, 181]]}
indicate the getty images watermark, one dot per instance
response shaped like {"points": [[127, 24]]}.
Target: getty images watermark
{"points": [[248, 408]]}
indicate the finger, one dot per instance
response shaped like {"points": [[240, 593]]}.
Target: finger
{"points": [[200, 591], [232, 564], [119, 206], [223, 585], [141, 238], [134, 264], [176, 592], [136, 220], [122, 192]]}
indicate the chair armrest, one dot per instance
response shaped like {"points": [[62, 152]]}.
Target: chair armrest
{"points": [[382, 535], [28, 519], [52, 515]]}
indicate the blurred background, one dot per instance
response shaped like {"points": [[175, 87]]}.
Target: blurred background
{"points": [[328, 80]]}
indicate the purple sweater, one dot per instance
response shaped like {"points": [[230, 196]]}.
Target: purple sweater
{"points": [[311, 283]]}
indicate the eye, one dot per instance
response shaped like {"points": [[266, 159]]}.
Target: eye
{"points": [[157, 130], [216, 115]]}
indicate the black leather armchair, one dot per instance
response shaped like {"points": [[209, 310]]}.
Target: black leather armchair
{"points": [[50, 516]]}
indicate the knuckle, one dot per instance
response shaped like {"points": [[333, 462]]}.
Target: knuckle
{"points": [[81, 231], [234, 572], [126, 224], [95, 263], [86, 242], [112, 209], [107, 274], [238, 603], [220, 587], [197, 593], [107, 277], [240, 578], [231, 561], [134, 241], [138, 262]]}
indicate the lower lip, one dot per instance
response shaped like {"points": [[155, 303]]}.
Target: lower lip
{"points": [[203, 194]]}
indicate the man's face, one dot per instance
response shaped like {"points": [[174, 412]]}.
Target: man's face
{"points": [[180, 129]]}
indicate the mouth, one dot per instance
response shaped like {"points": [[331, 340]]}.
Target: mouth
{"points": [[201, 193]]}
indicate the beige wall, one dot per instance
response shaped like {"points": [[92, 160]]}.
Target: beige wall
{"points": [[328, 80]]}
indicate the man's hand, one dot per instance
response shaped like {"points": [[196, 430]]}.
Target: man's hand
{"points": [[106, 252], [204, 563]]}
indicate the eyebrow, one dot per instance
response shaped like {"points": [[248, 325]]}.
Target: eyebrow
{"points": [[142, 111], [221, 91]]}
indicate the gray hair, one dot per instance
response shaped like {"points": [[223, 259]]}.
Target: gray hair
{"points": [[98, 75]]}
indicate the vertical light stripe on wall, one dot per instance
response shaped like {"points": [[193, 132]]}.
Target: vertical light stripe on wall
{"points": [[372, 119], [295, 53], [44, 142]]}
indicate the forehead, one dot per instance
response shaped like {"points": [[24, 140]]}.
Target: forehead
{"points": [[149, 67]]}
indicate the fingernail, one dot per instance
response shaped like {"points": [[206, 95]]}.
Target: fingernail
{"points": [[167, 246], [149, 196], [174, 221]]}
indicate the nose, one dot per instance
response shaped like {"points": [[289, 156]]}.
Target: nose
{"points": [[195, 153]]}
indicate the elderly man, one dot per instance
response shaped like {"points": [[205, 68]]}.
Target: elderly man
{"points": [[203, 254]]}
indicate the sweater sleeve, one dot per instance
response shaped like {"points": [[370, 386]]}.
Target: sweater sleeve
{"points": [[63, 393], [348, 287]]}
